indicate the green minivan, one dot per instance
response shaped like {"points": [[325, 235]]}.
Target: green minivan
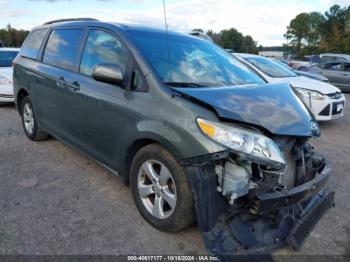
{"points": [[196, 134]]}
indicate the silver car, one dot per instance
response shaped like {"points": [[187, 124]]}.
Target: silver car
{"points": [[338, 73]]}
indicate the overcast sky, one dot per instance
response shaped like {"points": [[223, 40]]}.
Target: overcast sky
{"points": [[264, 20]]}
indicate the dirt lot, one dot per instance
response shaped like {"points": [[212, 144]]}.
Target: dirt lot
{"points": [[53, 200]]}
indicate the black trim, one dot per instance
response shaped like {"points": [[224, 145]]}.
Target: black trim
{"points": [[325, 111], [334, 108], [335, 95]]}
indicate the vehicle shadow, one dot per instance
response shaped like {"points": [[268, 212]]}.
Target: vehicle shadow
{"points": [[7, 104]]}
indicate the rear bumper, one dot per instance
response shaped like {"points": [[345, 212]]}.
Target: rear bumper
{"points": [[6, 98], [6, 93]]}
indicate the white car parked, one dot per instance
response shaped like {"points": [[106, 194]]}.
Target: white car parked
{"points": [[325, 100], [6, 88]]}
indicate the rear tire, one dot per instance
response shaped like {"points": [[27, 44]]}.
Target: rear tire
{"points": [[157, 177], [29, 122]]}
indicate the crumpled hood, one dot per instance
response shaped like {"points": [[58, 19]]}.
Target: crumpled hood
{"points": [[274, 107], [309, 83]]}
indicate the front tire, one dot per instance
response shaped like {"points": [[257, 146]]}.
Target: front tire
{"points": [[29, 122], [160, 189]]}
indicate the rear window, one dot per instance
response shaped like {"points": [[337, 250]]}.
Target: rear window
{"points": [[270, 67], [6, 58], [62, 48], [32, 45]]}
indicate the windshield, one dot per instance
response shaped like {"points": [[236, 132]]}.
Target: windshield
{"points": [[6, 58], [270, 67], [192, 60]]}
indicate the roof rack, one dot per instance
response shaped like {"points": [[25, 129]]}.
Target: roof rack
{"points": [[70, 19]]}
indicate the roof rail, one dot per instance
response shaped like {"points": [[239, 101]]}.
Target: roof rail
{"points": [[70, 19]]}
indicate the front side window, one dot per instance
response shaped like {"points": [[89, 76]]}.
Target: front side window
{"points": [[102, 47], [32, 45], [62, 48], [186, 61], [270, 67], [333, 66], [6, 58]]}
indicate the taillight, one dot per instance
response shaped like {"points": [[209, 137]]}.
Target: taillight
{"points": [[14, 62]]}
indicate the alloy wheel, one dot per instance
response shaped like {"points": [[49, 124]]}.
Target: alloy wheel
{"points": [[28, 118], [157, 189]]}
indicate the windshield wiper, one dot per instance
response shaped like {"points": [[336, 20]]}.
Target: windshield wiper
{"points": [[184, 84]]}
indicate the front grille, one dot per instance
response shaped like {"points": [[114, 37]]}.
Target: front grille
{"points": [[335, 110], [336, 95], [325, 111], [6, 96]]}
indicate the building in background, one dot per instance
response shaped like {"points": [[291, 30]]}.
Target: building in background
{"points": [[272, 54]]}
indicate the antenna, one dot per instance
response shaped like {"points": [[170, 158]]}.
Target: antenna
{"points": [[165, 21], [167, 39]]}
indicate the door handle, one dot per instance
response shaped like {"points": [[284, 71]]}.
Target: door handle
{"points": [[61, 82], [75, 86]]}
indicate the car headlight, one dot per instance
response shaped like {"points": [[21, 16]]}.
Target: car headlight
{"points": [[249, 144], [5, 81], [307, 94]]}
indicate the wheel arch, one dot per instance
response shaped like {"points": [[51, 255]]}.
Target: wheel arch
{"points": [[133, 147], [22, 93]]}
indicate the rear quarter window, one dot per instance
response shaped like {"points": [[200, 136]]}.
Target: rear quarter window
{"points": [[32, 46], [63, 48]]}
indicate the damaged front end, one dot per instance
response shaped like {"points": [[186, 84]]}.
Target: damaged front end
{"points": [[245, 206]]}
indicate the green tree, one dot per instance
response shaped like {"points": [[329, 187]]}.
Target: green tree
{"points": [[312, 33], [334, 29], [235, 40], [12, 37], [303, 33]]}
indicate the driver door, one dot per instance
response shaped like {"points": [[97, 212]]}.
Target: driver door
{"points": [[101, 108]]}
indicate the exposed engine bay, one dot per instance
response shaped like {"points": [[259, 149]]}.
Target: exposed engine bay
{"points": [[247, 207], [237, 177]]}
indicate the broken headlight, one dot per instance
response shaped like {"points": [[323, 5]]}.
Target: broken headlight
{"points": [[307, 94], [249, 143]]}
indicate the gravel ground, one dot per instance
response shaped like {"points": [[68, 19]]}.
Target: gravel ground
{"points": [[53, 200]]}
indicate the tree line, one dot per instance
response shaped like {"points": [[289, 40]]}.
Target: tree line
{"points": [[315, 33], [232, 39], [11, 37], [235, 40], [308, 33]]}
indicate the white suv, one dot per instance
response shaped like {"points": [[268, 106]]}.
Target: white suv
{"points": [[6, 88]]}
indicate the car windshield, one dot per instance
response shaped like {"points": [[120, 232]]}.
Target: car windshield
{"points": [[6, 58], [191, 61], [270, 67]]}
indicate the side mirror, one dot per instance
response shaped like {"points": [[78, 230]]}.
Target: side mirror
{"points": [[108, 73]]}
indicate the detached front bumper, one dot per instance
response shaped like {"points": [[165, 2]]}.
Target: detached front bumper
{"points": [[273, 201], [270, 221]]}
